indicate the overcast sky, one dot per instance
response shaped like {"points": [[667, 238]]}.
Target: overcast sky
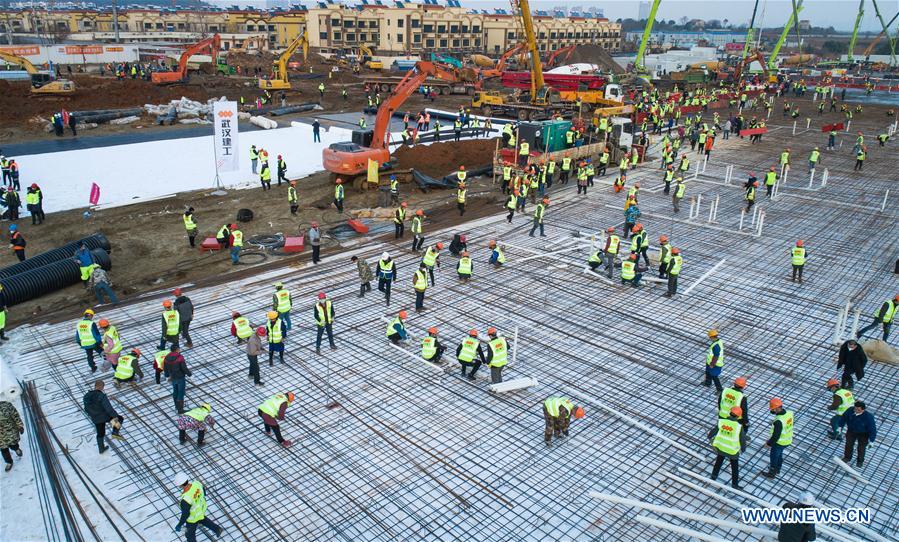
{"points": [[837, 13]]}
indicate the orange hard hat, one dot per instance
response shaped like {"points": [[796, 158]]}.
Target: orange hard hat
{"points": [[403, 314], [439, 246], [833, 382], [740, 382], [136, 351], [638, 226], [464, 253], [799, 242], [579, 412], [896, 297], [633, 257], [663, 239], [675, 250], [290, 397], [491, 244], [103, 323], [404, 204], [736, 411], [167, 303], [339, 181], [775, 403], [419, 213], [293, 183], [516, 192], [432, 330], [755, 184], [473, 333], [610, 229], [546, 201], [491, 331]]}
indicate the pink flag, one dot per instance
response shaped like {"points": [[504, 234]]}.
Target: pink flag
{"points": [[95, 194]]}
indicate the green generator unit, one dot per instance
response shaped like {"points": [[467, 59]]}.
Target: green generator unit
{"points": [[554, 134]]}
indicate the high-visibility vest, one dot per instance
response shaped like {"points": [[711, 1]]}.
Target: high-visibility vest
{"points": [[460, 195], [500, 350], [551, 168], [523, 189], [669, 175], [338, 192], [416, 224], [553, 404], [238, 238], [323, 313], [510, 204], [469, 349], [272, 405], [507, 173], [770, 178], [665, 253], [430, 257], [172, 322], [710, 354], [622, 164], [113, 334], [890, 312], [524, 149], [814, 157], [569, 137], [284, 304], [198, 413], [500, 257], [461, 175], [31, 198], [266, 173], [614, 243], [786, 432], [797, 256], [386, 267], [637, 241], [394, 322], [538, 213], [399, 216], [784, 158], [678, 262], [680, 191], [195, 497], [254, 155], [628, 270], [684, 164], [189, 223], [861, 155], [566, 163], [221, 233], [750, 193], [124, 368], [159, 359], [292, 194], [727, 440], [464, 267], [274, 331], [595, 257], [85, 333], [421, 281], [730, 398], [242, 327], [846, 401], [394, 186], [428, 347]]}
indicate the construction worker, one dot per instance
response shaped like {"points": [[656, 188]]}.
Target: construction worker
{"points": [[171, 324], [640, 242], [223, 236], [457, 129], [273, 410], [34, 200], [860, 427], [254, 158], [282, 303], [185, 308], [781, 436], [669, 176], [557, 413], [728, 440], [265, 176], [196, 419], [603, 162], [399, 221], [338, 195], [832, 140], [734, 397], [3, 336], [394, 190], [497, 355], [524, 153], [277, 333], [282, 169], [550, 171], [770, 181], [507, 134], [112, 343], [538, 217], [176, 370], [127, 368], [420, 284], [100, 411], [362, 123], [236, 242], [511, 205], [240, 327], [852, 359], [396, 328], [321, 92], [190, 225], [631, 271], [595, 259], [431, 349], [673, 271], [714, 360], [497, 258], [813, 159], [610, 251], [860, 156], [365, 274], [460, 197], [461, 175], [324, 318], [664, 256], [88, 337], [566, 168], [254, 350], [884, 317], [680, 190], [159, 363], [882, 139], [292, 198], [470, 354], [83, 256], [842, 401], [386, 275], [684, 165], [582, 178], [417, 238], [785, 160], [797, 259], [464, 267], [750, 195], [432, 257]]}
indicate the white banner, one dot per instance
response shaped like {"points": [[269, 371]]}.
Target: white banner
{"points": [[225, 138]]}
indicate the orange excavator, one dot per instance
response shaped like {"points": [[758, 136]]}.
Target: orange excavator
{"points": [[350, 158], [566, 51], [212, 45], [497, 71]]}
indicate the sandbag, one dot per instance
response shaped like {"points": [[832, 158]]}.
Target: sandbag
{"points": [[877, 350]]}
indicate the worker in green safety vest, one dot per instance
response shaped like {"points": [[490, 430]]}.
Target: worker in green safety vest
{"points": [[273, 410], [171, 324], [728, 439], [538, 217], [338, 195], [842, 401], [432, 258], [196, 419], [813, 159], [281, 303], [797, 259], [557, 412], [127, 368], [750, 195], [497, 355], [781, 436], [734, 396], [277, 333], [470, 354], [884, 316], [88, 337], [159, 363], [465, 266], [714, 360], [497, 258], [193, 508], [431, 349], [190, 224], [420, 285]]}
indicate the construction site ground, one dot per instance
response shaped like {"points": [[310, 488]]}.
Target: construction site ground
{"points": [[387, 447]]}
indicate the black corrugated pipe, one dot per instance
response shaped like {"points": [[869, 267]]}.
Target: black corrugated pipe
{"points": [[49, 278], [98, 240]]}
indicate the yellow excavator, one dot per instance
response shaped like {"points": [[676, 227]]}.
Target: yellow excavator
{"points": [[42, 82], [280, 79]]}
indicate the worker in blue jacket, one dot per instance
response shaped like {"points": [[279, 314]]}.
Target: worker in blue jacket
{"points": [[860, 426]]}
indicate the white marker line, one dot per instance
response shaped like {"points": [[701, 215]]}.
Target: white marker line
{"points": [[704, 276]]}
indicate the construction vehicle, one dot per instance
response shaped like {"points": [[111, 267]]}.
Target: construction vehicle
{"points": [[42, 82], [448, 60], [497, 70], [222, 67], [351, 158], [211, 44], [258, 40], [365, 58], [564, 52], [455, 81], [640, 60], [279, 79]]}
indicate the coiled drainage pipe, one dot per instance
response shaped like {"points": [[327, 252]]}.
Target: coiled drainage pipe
{"points": [[65, 252], [48, 278]]}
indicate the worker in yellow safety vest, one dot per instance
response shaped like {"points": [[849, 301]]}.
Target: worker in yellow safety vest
{"points": [[497, 258], [396, 329], [420, 284], [781, 436], [159, 363], [418, 238], [797, 259], [464, 267], [883, 316], [497, 355], [112, 343], [273, 410], [524, 152], [461, 191], [734, 396], [324, 319], [675, 262], [557, 412], [236, 244], [431, 349], [714, 360], [282, 303], [196, 419], [566, 168], [842, 401], [127, 368], [728, 439], [432, 258], [292, 199], [338, 195], [171, 324], [277, 333], [190, 224], [399, 221], [470, 354], [240, 327], [538, 217], [193, 508]]}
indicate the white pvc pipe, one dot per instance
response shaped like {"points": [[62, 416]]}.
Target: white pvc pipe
{"points": [[420, 359], [692, 206], [824, 177], [513, 385], [742, 218], [848, 124], [811, 178], [886, 195], [794, 127], [761, 223], [698, 204], [854, 332], [682, 514], [808, 122], [696, 535], [515, 346]]}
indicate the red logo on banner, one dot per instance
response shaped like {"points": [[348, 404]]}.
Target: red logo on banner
{"points": [[95, 194]]}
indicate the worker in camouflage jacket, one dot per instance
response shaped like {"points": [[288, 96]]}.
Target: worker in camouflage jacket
{"points": [[11, 428]]}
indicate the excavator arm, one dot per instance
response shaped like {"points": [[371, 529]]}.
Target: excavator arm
{"points": [[497, 71], [410, 83], [756, 56], [24, 63], [280, 66], [567, 51], [210, 45], [870, 48]]}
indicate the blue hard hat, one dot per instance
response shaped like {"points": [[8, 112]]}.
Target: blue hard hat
{"points": [[13, 227], [392, 177]]}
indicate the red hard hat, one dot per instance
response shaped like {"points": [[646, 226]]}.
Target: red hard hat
{"points": [[740, 382], [439, 246], [579, 412], [491, 331], [755, 184], [33, 185], [432, 330], [610, 229], [235, 314], [675, 250], [403, 314], [473, 333], [775, 403], [177, 291], [232, 227], [260, 331], [404, 204], [663, 239], [772, 168], [321, 295], [833, 382], [633, 257], [462, 238], [799, 243], [419, 213], [461, 168], [339, 181]]}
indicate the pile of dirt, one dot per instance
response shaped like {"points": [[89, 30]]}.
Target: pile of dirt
{"points": [[441, 159], [249, 61], [594, 54]]}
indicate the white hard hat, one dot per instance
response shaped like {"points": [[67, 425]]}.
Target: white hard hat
{"points": [[806, 498], [180, 479], [385, 255]]}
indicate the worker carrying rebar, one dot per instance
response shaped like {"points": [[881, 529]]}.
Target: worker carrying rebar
{"points": [[714, 360], [797, 259], [781, 436], [127, 368], [432, 258], [470, 354], [860, 427], [841, 401], [171, 324], [193, 508], [557, 412], [884, 317], [386, 275], [396, 328], [431, 349], [734, 396], [852, 359], [497, 355], [277, 333], [282, 303], [728, 439], [196, 419], [272, 410], [88, 338]]}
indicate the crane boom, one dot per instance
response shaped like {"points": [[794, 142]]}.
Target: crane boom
{"points": [[537, 82], [794, 16], [858, 21], [640, 61], [886, 31], [750, 32], [870, 48]]}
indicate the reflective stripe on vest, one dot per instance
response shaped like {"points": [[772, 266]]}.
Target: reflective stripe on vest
{"points": [[323, 313], [678, 262], [507, 173], [421, 280], [113, 334], [729, 399], [386, 267], [399, 215], [890, 312], [500, 352], [284, 304], [460, 195], [416, 225], [124, 369], [274, 331], [195, 497], [198, 413], [464, 267], [525, 149], [786, 433], [628, 270], [272, 405], [681, 190], [338, 191], [391, 326], [428, 347], [242, 327], [85, 333], [189, 222], [566, 164], [238, 238], [614, 243], [846, 401], [798, 256], [727, 440], [552, 404], [172, 322], [430, 257], [770, 178], [595, 257], [469, 349], [159, 359], [711, 354]]}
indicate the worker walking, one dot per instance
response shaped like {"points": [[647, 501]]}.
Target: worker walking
{"points": [[282, 303], [386, 275], [497, 355], [770, 181], [431, 349], [277, 333], [190, 224], [193, 508], [797, 259], [321, 92], [470, 354], [171, 324], [176, 370], [861, 428], [17, 242], [272, 410], [734, 397], [841, 401], [511, 205], [714, 360], [750, 195], [860, 156], [673, 271], [432, 258], [100, 411], [538, 217], [460, 197], [339, 195], [852, 359], [282, 170], [324, 317], [11, 429], [680, 190], [196, 419], [111, 342], [728, 440], [236, 242], [127, 367], [813, 159], [781, 436], [315, 240], [88, 337], [265, 176], [557, 412], [254, 350], [883, 317], [399, 221], [420, 284], [396, 328], [365, 274], [418, 238]]}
